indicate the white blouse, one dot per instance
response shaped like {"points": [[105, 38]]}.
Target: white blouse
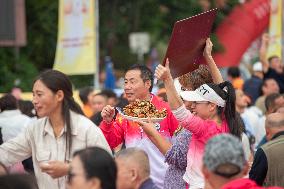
{"points": [[39, 141]]}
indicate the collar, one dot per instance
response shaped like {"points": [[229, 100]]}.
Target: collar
{"points": [[277, 135], [148, 183], [49, 130]]}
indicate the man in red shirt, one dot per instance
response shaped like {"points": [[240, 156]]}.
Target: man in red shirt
{"points": [[138, 84]]}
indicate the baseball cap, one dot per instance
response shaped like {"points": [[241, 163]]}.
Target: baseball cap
{"points": [[257, 67], [203, 93], [224, 155]]}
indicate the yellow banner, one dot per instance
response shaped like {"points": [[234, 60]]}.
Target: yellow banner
{"points": [[275, 29], [76, 42]]}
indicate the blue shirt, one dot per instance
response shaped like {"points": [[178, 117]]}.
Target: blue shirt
{"points": [[148, 184], [252, 88]]}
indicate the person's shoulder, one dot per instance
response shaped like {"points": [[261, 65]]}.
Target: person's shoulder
{"points": [[241, 183], [37, 125], [81, 120]]}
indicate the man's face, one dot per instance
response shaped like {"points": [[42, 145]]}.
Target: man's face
{"points": [[241, 99], [124, 175], [98, 103], [279, 102], [135, 87], [276, 64], [270, 87]]}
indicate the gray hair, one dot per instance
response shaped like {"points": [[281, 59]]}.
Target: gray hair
{"points": [[137, 156]]}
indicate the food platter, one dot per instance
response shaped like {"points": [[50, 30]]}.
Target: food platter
{"points": [[154, 120], [142, 110]]}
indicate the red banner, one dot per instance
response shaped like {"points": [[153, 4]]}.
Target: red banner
{"points": [[236, 33]]}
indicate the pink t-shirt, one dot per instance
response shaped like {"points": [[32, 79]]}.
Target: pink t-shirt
{"points": [[201, 130]]}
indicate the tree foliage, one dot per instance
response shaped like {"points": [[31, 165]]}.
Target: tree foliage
{"points": [[118, 18]]}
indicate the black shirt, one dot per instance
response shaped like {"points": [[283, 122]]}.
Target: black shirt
{"points": [[260, 166]]}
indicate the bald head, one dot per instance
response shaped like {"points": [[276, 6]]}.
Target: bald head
{"points": [[275, 120], [135, 157], [274, 123]]}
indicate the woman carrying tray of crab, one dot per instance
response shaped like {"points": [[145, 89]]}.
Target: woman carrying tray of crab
{"points": [[212, 112]]}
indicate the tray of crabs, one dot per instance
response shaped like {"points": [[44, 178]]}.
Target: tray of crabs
{"points": [[142, 110]]}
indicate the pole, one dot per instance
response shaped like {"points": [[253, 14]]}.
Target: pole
{"points": [[282, 31], [97, 63]]}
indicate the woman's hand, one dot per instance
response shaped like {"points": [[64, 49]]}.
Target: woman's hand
{"points": [[163, 72], [208, 49], [55, 169], [148, 127], [160, 142]]}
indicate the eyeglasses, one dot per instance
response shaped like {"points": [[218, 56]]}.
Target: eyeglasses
{"points": [[199, 102]]}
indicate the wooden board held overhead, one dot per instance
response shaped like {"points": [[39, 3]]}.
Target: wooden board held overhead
{"points": [[185, 49]]}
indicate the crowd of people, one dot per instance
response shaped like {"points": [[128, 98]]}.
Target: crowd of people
{"points": [[216, 134]]}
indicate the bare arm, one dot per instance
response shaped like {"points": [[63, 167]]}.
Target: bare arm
{"points": [[158, 140], [163, 73], [216, 75], [262, 52]]}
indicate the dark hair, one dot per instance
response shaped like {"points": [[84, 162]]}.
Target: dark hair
{"points": [[15, 181], [108, 93], [8, 102], [101, 94], [272, 57], [98, 163], [84, 93], [55, 81], [26, 107], [230, 107], [146, 73], [234, 72], [270, 100]]}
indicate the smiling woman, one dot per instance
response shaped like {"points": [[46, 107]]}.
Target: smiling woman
{"points": [[52, 139]]}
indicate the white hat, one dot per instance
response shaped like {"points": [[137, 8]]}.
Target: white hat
{"points": [[257, 67], [203, 93], [177, 85]]}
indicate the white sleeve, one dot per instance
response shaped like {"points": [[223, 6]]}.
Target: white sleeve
{"points": [[16, 149], [95, 137], [246, 146]]}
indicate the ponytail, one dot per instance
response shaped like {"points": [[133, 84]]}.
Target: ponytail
{"points": [[230, 109]]}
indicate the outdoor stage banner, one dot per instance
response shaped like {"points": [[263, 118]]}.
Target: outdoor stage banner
{"points": [[275, 29], [76, 41]]}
